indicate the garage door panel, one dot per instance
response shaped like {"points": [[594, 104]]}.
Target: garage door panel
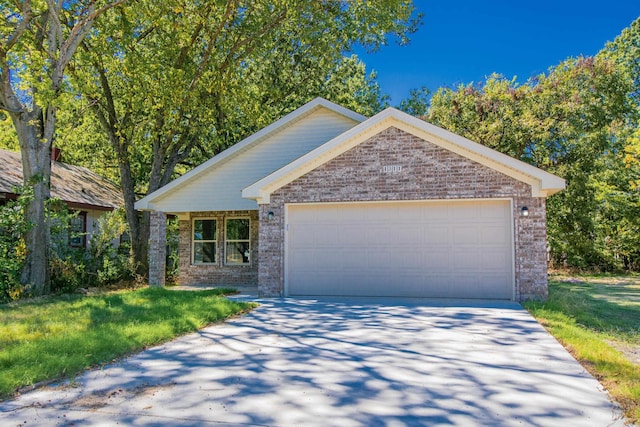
{"points": [[449, 249], [377, 258], [407, 235], [493, 260], [465, 235], [314, 235], [354, 259], [435, 213], [437, 235], [468, 260], [304, 259], [434, 260], [494, 235], [352, 235], [409, 260], [384, 235]]}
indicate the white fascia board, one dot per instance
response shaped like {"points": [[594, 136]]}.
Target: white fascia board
{"points": [[261, 190], [542, 183], [146, 203]]}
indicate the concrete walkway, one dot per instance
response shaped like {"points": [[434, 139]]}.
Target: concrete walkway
{"points": [[340, 362]]}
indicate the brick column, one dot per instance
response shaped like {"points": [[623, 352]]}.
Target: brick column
{"points": [[157, 248]]}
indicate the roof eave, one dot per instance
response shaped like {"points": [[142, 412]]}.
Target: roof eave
{"points": [[542, 183], [292, 117]]}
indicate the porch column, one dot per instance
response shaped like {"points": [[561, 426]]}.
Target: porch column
{"points": [[157, 248]]}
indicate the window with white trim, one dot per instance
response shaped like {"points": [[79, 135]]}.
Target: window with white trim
{"points": [[204, 241], [237, 242]]}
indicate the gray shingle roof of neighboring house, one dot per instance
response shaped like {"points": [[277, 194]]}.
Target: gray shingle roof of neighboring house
{"points": [[78, 186]]}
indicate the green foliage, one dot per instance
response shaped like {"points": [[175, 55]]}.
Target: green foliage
{"points": [[8, 137], [38, 41], [61, 336], [173, 83], [625, 51], [159, 90], [570, 123], [103, 262], [495, 114], [418, 102], [109, 259], [12, 250]]}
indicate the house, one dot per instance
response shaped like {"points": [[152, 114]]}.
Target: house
{"points": [[82, 190], [327, 202]]}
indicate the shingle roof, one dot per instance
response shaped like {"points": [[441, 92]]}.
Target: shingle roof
{"points": [[77, 186]]}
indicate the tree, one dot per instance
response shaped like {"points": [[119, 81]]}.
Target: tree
{"points": [[495, 113], [417, 104], [169, 81], [566, 122], [38, 41], [623, 186]]}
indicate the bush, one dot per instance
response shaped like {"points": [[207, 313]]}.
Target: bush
{"points": [[100, 264], [109, 259], [12, 249]]}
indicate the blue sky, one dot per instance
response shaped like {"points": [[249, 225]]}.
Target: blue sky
{"points": [[466, 40]]}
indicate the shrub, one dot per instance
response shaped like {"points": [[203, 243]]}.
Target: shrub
{"points": [[12, 249], [100, 264], [109, 259]]}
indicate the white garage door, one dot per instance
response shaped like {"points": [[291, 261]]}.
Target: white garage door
{"points": [[444, 249]]}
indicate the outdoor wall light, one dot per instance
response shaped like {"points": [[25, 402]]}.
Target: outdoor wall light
{"points": [[524, 211], [270, 215]]}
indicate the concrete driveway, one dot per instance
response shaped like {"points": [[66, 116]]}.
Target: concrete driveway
{"points": [[341, 362]]}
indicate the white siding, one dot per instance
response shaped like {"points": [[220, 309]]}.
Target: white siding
{"points": [[221, 188]]}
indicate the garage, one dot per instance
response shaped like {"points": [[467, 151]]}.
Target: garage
{"points": [[429, 249]]}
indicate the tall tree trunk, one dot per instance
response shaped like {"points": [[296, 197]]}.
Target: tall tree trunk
{"points": [[138, 224], [35, 146], [35, 119]]}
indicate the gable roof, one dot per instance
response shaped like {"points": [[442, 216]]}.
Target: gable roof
{"points": [[78, 186], [253, 158], [542, 183]]}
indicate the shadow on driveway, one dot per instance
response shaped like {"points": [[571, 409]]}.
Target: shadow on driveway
{"points": [[339, 362]]}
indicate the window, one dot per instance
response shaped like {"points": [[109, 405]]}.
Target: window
{"points": [[78, 230], [204, 241], [237, 248]]}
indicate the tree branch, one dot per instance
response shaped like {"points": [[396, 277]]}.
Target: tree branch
{"points": [[13, 38]]}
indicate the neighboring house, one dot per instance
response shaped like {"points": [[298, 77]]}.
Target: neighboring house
{"points": [[328, 202], [81, 189]]}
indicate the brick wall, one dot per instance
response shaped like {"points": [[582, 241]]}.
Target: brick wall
{"points": [[427, 173], [157, 248], [218, 273]]}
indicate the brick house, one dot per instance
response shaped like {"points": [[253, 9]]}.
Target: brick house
{"points": [[328, 202]]}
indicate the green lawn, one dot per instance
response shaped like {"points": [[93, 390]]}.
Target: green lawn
{"points": [[597, 318], [61, 336]]}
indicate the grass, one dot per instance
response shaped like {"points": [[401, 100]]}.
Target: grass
{"points": [[61, 336], [596, 318]]}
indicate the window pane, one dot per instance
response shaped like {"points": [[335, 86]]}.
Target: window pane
{"points": [[204, 252], [238, 229], [204, 229], [76, 231], [237, 253], [76, 224]]}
